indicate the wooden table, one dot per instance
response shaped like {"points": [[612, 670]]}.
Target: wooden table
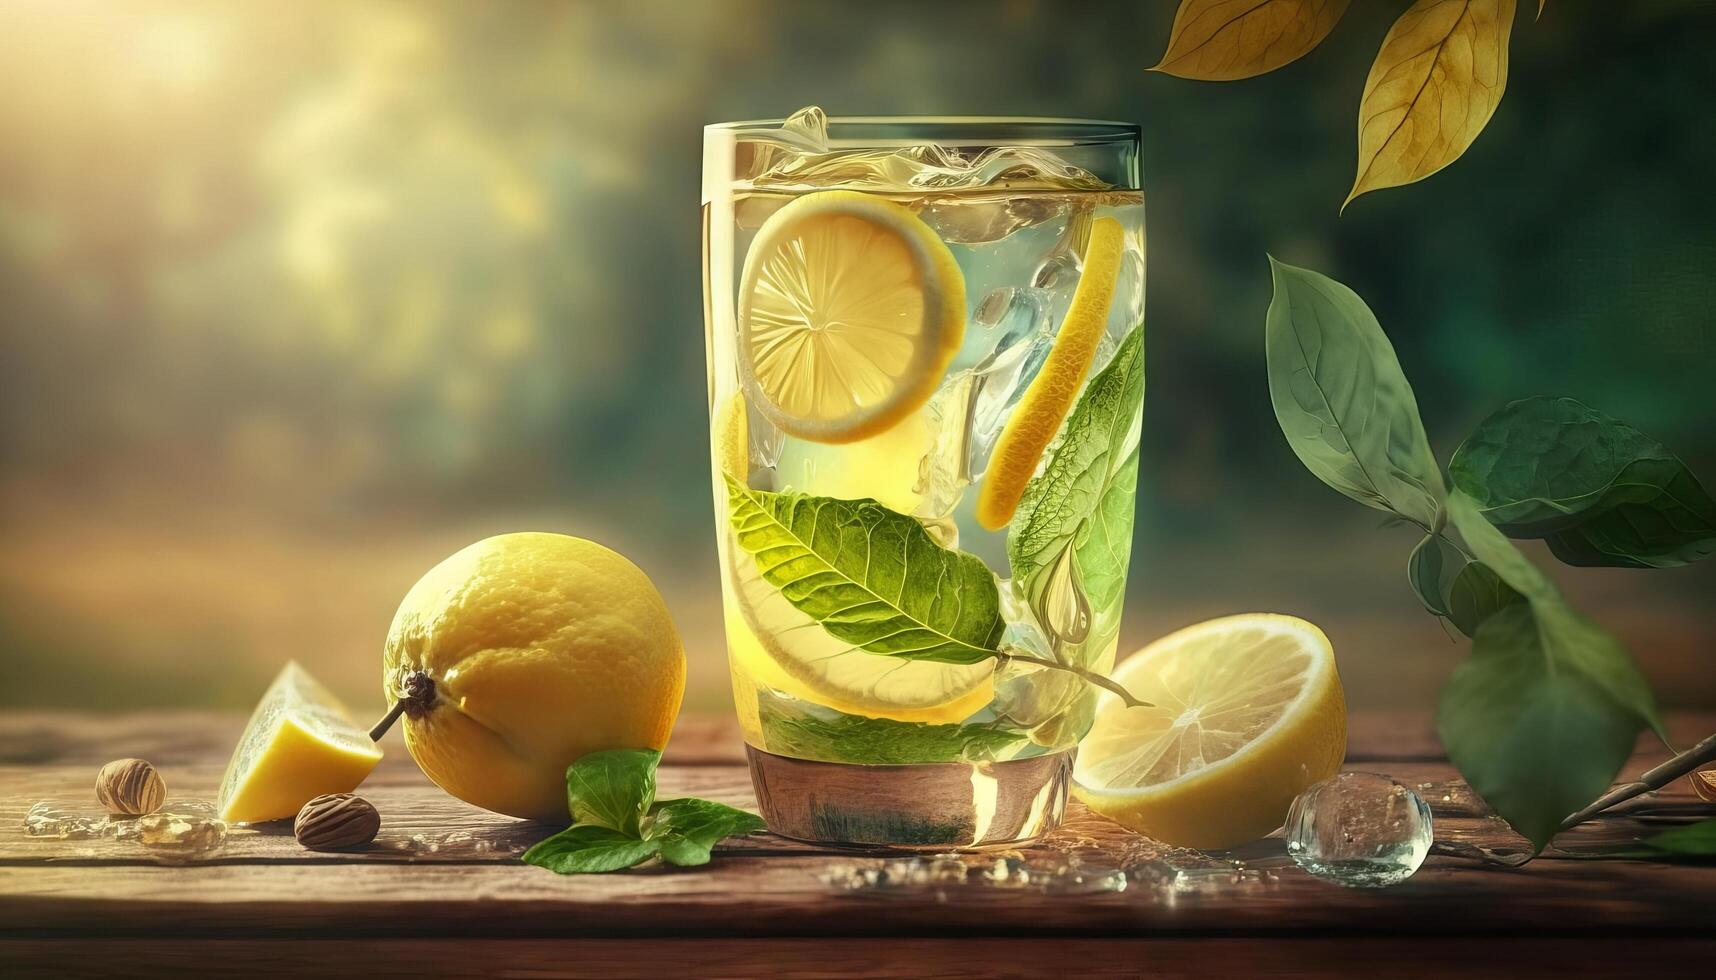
{"points": [[441, 891]]}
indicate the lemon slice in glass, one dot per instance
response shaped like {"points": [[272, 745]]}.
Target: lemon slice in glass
{"points": [[1248, 712], [850, 310], [1045, 404], [299, 744], [781, 648]]}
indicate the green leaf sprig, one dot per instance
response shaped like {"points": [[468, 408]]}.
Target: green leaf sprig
{"points": [[1543, 715], [617, 822]]}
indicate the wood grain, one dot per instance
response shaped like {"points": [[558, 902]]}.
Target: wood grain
{"points": [[1164, 958], [442, 883]]}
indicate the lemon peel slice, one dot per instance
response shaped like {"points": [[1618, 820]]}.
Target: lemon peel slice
{"points": [[850, 310], [1050, 396], [1247, 712]]}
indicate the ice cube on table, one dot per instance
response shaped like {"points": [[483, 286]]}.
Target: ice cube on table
{"points": [[46, 821], [182, 829], [1359, 829]]}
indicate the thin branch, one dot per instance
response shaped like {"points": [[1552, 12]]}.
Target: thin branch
{"points": [[1657, 778], [1090, 676]]}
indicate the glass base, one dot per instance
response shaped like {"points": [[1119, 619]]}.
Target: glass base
{"points": [[933, 806]]}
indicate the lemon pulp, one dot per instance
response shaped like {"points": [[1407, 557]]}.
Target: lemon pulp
{"points": [[1247, 712], [850, 310]]}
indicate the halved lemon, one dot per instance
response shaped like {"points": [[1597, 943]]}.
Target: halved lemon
{"points": [[850, 310], [781, 648], [1248, 712], [1045, 404]]}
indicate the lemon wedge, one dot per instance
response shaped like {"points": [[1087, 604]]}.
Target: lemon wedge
{"points": [[781, 648], [1248, 712], [850, 310], [299, 744], [1045, 404]]}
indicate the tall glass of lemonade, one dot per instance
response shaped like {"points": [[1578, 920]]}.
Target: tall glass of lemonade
{"points": [[926, 378]]}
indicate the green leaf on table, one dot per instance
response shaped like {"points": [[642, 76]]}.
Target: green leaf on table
{"points": [[1599, 491], [1083, 499], [687, 830], [590, 849], [618, 823], [612, 789], [1343, 401], [872, 577], [1693, 840], [881, 741], [1543, 714]]}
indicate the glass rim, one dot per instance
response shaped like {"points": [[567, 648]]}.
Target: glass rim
{"points": [[1000, 130]]}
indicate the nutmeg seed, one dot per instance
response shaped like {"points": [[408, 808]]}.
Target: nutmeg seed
{"points": [[336, 820], [130, 787]]}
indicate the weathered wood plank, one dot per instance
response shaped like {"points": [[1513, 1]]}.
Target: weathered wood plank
{"points": [[806, 895], [802, 959], [465, 880], [169, 738], [172, 738], [420, 823]]}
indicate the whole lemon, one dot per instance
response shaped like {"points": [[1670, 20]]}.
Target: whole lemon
{"points": [[523, 652]]}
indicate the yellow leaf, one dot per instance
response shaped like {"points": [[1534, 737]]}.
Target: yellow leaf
{"points": [[1435, 84], [1221, 40]]}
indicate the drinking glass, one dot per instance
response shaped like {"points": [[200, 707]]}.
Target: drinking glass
{"points": [[925, 348]]}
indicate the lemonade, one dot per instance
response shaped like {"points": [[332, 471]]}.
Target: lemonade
{"points": [[926, 360]]}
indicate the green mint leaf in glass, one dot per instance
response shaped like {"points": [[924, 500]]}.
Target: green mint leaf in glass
{"points": [[880, 741], [872, 577], [1073, 528], [1599, 491], [612, 789], [687, 830], [1342, 400], [590, 849], [1535, 739]]}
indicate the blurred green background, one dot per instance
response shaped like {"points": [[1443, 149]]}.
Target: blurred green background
{"points": [[298, 298]]}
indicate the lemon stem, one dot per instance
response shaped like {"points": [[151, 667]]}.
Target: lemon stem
{"points": [[1090, 676], [417, 697]]}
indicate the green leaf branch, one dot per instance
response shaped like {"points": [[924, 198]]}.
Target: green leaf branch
{"points": [[1541, 717]]}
